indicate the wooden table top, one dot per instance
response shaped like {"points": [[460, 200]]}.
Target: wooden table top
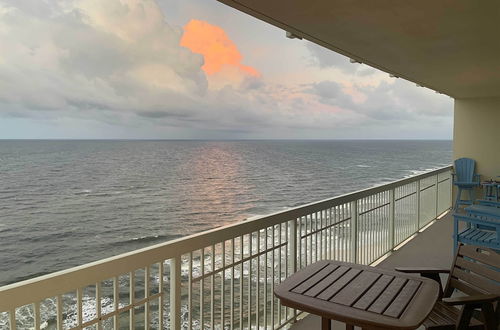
{"points": [[360, 295]]}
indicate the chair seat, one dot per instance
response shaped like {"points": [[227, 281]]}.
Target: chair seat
{"points": [[476, 235], [444, 317]]}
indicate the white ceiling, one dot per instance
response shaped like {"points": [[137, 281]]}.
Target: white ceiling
{"points": [[450, 46]]}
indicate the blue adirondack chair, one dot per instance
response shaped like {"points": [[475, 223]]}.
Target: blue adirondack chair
{"points": [[465, 179]]}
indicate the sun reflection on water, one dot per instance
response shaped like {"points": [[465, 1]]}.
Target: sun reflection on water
{"points": [[218, 184]]}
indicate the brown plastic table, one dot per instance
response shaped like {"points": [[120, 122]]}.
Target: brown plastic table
{"points": [[358, 295]]}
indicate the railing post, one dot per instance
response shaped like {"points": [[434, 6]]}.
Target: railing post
{"points": [[36, 315], [116, 300], [437, 195], [161, 290], [292, 262], [354, 231], [418, 205], [293, 246], [12, 318], [392, 210], [147, 315], [131, 287], [175, 293]]}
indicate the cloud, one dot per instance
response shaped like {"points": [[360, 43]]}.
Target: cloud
{"points": [[217, 49], [396, 101], [326, 58], [109, 54], [332, 92], [222, 59]]}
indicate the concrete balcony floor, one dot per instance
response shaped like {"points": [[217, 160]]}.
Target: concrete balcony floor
{"points": [[431, 248]]}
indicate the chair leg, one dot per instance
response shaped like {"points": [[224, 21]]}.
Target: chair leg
{"points": [[465, 317], [489, 316], [472, 196], [326, 324], [437, 279], [457, 200]]}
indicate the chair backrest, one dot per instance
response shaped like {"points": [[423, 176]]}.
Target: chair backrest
{"points": [[464, 169], [475, 271]]}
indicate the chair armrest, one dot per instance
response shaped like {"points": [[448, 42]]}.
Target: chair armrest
{"points": [[423, 270], [467, 300]]}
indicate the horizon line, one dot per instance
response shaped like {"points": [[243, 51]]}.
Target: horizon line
{"points": [[223, 139]]}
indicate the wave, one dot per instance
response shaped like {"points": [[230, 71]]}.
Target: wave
{"points": [[90, 193], [146, 239], [149, 238], [83, 192], [417, 172], [100, 195]]}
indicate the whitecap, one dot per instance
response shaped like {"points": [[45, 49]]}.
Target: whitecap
{"points": [[83, 192]]}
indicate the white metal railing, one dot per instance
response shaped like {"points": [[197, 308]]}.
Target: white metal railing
{"points": [[224, 278]]}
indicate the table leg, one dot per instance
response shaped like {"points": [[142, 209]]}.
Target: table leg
{"points": [[326, 324]]}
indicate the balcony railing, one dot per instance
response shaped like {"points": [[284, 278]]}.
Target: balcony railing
{"points": [[224, 278]]}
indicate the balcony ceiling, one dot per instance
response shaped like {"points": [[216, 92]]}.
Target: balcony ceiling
{"points": [[449, 46]]}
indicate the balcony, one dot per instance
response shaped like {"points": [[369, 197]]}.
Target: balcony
{"points": [[224, 278]]}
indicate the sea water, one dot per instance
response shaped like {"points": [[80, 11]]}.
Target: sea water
{"points": [[66, 203]]}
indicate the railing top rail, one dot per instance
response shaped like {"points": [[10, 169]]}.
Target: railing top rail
{"points": [[24, 292]]}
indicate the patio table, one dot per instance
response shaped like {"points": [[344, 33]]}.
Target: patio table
{"points": [[358, 295]]}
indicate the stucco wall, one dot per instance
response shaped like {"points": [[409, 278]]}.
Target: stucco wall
{"points": [[476, 134]]}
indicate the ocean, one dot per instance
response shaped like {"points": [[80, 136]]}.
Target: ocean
{"points": [[66, 203]]}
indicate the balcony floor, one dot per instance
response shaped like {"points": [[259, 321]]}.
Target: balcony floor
{"points": [[431, 248]]}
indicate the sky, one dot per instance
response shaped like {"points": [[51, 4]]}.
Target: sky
{"points": [[191, 69]]}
